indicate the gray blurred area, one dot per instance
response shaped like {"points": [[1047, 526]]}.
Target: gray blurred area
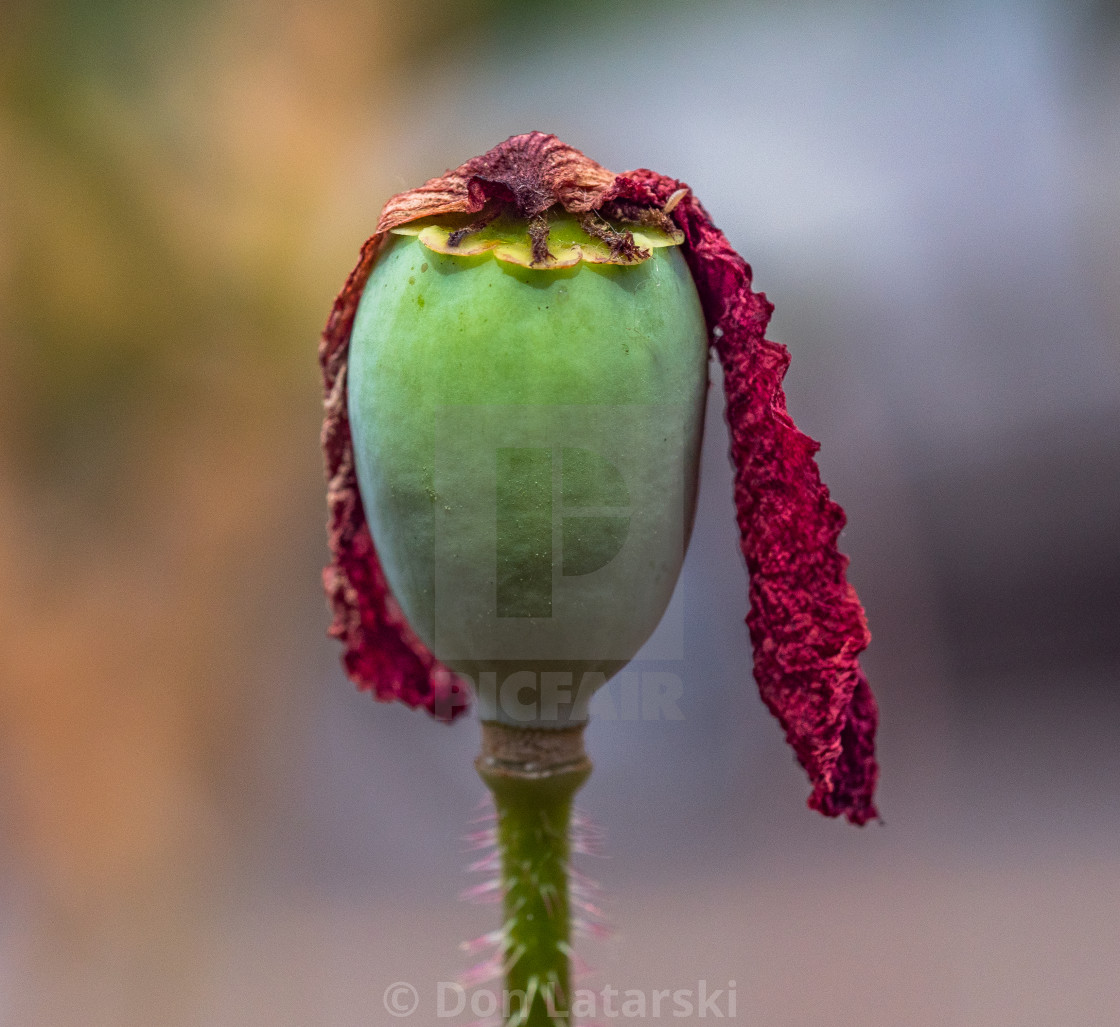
{"points": [[930, 196]]}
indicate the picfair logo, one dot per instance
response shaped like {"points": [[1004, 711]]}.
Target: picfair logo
{"points": [[593, 520], [544, 537]]}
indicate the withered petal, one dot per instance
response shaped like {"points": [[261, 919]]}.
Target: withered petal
{"points": [[806, 624], [531, 171]]}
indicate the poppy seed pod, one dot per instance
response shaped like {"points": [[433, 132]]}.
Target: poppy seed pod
{"points": [[495, 395], [523, 347]]}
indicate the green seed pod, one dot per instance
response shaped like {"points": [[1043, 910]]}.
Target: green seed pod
{"points": [[527, 412]]}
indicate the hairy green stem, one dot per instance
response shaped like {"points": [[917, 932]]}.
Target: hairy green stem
{"points": [[533, 781]]}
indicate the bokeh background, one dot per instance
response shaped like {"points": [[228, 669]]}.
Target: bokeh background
{"points": [[202, 822]]}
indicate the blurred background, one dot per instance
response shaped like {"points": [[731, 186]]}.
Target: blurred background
{"points": [[202, 821]]}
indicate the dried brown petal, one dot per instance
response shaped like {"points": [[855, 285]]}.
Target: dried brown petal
{"points": [[532, 172]]}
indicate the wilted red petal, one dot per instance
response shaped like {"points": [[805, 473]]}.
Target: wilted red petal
{"points": [[382, 653], [806, 624]]}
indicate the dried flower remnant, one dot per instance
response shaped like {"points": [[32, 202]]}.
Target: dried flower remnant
{"points": [[806, 623]]}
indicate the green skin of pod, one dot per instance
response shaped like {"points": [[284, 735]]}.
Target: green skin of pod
{"points": [[439, 336]]}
